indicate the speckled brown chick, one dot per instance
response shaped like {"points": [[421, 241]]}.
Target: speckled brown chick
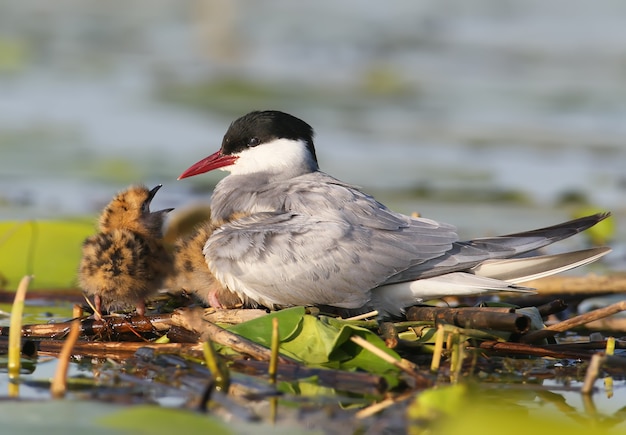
{"points": [[192, 275], [126, 261]]}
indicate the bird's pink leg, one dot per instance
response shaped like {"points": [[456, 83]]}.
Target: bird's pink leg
{"points": [[213, 300], [97, 303], [141, 307]]}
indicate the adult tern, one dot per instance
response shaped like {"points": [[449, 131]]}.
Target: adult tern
{"points": [[288, 234]]}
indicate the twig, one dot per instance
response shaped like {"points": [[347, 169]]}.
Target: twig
{"points": [[117, 350], [363, 316], [232, 317], [89, 327], [402, 364], [193, 320], [384, 404], [593, 372], [117, 324], [528, 349], [573, 322], [553, 307], [97, 314], [472, 317], [599, 345]]}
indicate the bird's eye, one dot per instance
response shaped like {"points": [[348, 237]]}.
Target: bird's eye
{"points": [[252, 142]]}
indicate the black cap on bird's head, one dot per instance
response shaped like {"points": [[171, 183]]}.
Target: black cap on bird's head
{"points": [[257, 128], [254, 129]]}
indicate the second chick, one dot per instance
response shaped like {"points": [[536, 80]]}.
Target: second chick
{"points": [[126, 261], [191, 273]]}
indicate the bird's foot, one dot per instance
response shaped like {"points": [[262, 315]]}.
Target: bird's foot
{"points": [[141, 307], [214, 300], [97, 305]]}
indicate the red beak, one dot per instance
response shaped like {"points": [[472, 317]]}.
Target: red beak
{"points": [[214, 161]]}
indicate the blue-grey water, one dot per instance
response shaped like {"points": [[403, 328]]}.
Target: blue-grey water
{"points": [[515, 96]]}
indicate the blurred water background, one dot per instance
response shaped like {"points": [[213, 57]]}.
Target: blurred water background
{"points": [[494, 115]]}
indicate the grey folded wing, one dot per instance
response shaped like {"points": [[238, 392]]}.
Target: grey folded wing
{"points": [[282, 259]]}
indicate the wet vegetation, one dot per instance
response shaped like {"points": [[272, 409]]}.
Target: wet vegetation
{"points": [[436, 370], [305, 369]]}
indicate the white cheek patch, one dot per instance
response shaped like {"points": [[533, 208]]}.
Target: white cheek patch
{"points": [[278, 156]]}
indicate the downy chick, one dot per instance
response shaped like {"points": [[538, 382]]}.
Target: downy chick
{"points": [[127, 260], [191, 273]]}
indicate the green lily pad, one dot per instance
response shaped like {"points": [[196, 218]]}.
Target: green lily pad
{"points": [[470, 409], [49, 250], [146, 419]]}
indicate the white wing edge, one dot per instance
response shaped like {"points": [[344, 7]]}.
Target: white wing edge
{"points": [[518, 270]]}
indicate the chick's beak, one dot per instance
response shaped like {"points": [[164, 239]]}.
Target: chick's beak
{"points": [[151, 197], [214, 161], [153, 192]]}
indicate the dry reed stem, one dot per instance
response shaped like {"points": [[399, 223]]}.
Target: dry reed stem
{"points": [[593, 372], [58, 387], [15, 335], [574, 322], [273, 365], [194, 321], [384, 404], [404, 365], [438, 350]]}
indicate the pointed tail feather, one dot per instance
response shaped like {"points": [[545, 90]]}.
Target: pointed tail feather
{"points": [[565, 229], [526, 241], [485, 266], [516, 270]]}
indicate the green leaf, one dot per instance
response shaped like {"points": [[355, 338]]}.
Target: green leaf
{"points": [[260, 330], [320, 341], [354, 356], [49, 250], [152, 420], [469, 409], [63, 417]]}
